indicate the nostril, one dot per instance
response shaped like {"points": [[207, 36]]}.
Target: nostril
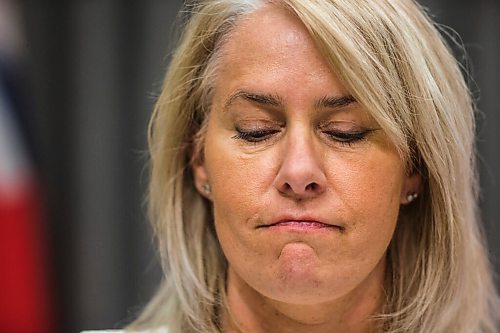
{"points": [[312, 187], [301, 190]]}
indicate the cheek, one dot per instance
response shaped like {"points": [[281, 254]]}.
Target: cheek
{"points": [[369, 189], [239, 184]]}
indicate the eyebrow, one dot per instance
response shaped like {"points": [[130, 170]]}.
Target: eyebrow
{"points": [[331, 102], [336, 102], [262, 99]]}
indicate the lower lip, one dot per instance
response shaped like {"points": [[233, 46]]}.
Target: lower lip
{"points": [[302, 226]]}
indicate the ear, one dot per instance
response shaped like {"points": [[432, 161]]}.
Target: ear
{"points": [[412, 185], [201, 179]]}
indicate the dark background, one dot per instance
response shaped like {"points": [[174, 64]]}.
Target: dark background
{"points": [[93, 68]]}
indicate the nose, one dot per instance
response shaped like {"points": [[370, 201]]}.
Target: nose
{"points": [[301, 175]]}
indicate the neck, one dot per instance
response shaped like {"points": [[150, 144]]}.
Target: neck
{"points": [[251, 312]]}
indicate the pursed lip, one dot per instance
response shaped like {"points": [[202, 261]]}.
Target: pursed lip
{"points": [[305, 222]]}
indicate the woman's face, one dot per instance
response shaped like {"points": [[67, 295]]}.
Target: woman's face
{"points": [[306, 187]]}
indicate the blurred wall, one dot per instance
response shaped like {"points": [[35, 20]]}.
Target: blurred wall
{"points": [[95, 67]]}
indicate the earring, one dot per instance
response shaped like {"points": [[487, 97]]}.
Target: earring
{"points": [[411, 196], [206, 188]]}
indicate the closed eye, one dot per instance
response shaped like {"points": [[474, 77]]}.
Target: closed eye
{"points": [[347, 138], [254, 135]]}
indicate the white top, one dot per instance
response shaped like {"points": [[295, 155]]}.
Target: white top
{"points": [[162, 330], [105, 331]]}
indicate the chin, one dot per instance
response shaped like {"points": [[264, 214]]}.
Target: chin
{"points": [[298, 276], [304, 282]]}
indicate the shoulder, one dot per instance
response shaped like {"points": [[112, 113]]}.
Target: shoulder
{"points": [[162, 330], [104, 331]]}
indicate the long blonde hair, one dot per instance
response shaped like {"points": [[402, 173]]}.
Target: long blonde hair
{"points": [[392, 59]]}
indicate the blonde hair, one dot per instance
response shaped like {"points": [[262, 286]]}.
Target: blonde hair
{"points": [[392, 59]]}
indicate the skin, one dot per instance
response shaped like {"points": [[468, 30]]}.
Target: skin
{"points": [[291, 164]]}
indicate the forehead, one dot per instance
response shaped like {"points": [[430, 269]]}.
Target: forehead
{"points": [[271, 49], [271, 31], [270, 22]]}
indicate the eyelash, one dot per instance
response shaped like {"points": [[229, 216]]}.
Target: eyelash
{"points": [[258, 136], [255, 136], [347, 138]]}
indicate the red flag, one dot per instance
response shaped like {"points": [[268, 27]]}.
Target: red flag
{"points": [[25, 302]]}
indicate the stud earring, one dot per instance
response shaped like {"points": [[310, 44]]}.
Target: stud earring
{"points": [[411, 196], [207, 189]]}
